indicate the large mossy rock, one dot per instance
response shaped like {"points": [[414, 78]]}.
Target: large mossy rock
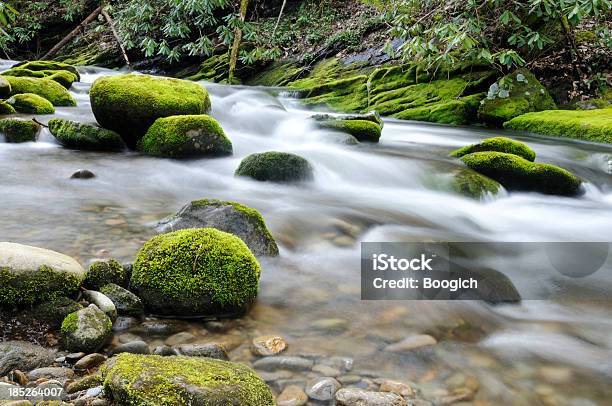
{"points": [[44, 87], [134, 379], [185, 137], [29, 274], [84, 136], [274, 166], [498, 144], [86, 330], [513, 95], [63, 77], [588, 125], [516, 173], [196, 272], [47, 66], [16, 131], [130, 104], [231, 217], [362, 130], [5, 88], [31, 103]]}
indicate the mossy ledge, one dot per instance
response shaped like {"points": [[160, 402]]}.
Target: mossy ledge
{"points": [[196, 272], [587, 125], [140, 380], [498, 144], [516, 173]]}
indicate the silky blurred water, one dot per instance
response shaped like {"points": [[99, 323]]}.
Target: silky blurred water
{"points": [[383, 192]]}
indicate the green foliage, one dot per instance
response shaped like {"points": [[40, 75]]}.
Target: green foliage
{"points": [[497, 32], [499, 144]]}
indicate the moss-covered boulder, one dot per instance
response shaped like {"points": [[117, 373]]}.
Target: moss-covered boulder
{"points": [[275, 167], [372, 116], [64, 78], [134, 379], [516, 173], [5, 88], [196, 272], [473, 185], [30, 275], [85, 136], [55, 311], [47, 66], [103, 272], [125, 302], [231, 217], [44, 87], [31, 103], [130, 104], [362, 130], [86, 330], [588, 125], [513, 95], [16, 130], [6, 108], [498, 144], [185, 137]]}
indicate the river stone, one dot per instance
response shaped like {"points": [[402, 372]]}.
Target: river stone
{"points": [[360, 397], [133, 347], [125, 301], [268, 345], [322, 388], [57, 373], [83, 174], [292, 395], [17, 130], [209, 350], [86, 330], [30, 274], [5, 88], [90, 361], [102, 301], [130, 104], [179, 338], [145, 379], [272, 166], [399, 388], [23, 356], [284, 362], [412, 343], [83, 136], [231, 217], [104, 271]]}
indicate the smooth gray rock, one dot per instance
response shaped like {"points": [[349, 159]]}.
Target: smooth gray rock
{"points": [[86, 330], [210, 350], [360, 397], [102, 301], [125, 301], [23, 356], [133, 347], [322, 388], [289, 363]]}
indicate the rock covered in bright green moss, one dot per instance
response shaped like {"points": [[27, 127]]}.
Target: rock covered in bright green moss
{"points": [[588, 125], [372, 116], [275, 167], [31, 103], [84, 136], [185, 137], [196, 272], [474, 185], [63, 77], [31, 275], [103, 272], [231, 217], [5, 88], [516, 173], [134, 379], [16, 130], [6, 108], [125, 301], [47, 66], [499, 144], [362, 130], [515, 94], [55, 311], [86, 330], [130, 104], [44, 87]]}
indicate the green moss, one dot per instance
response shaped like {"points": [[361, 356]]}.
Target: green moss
{"points": [[31, 104], [48, 66], [69, 325], [102, 273], [213, 69], [16, 130], [41, 286], [56, 310], [140, 380], [86, 330], [275, 167], [84, 137], [146, 98], [455, 112], [474, 185], [196, 272], [499, 144], [513, 95], [44, 87], [362, 130], [516, 173], [6, 108], [184, 137], [589, 125], [277, 74], [20, 72], [63, 77], [87, 382]]}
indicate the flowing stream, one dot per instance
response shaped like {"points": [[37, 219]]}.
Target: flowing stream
{"points": [[529, 353]]}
